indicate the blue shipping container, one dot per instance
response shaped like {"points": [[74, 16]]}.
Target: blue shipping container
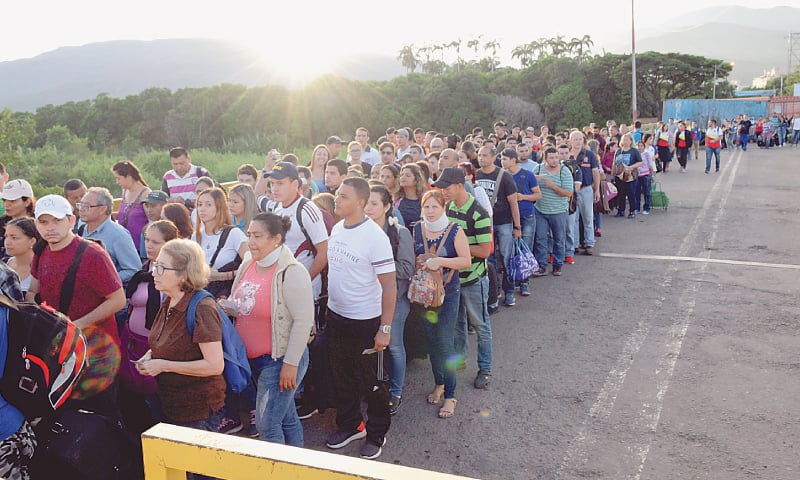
{"points": [[700, 110]]}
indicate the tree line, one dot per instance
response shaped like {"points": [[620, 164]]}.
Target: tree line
{"points": [[559, 83]]}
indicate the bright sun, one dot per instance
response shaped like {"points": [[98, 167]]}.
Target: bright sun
{"points": [[289, 63]]}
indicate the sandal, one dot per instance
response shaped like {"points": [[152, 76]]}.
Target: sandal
{"points": [[448, 408], [436, 395]]}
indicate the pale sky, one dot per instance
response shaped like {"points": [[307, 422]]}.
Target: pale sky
{"points": [[299, 31]]}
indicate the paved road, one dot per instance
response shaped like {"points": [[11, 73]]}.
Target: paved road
{"points": [[671, 353]]}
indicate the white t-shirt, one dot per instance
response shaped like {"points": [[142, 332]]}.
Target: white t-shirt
{"points": [[796, 123], [356, 256], [296, 241], [229, 250]]}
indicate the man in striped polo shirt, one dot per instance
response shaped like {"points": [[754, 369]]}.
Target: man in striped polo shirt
{"points": [[477, 225], [552, 210], [179, 182]]}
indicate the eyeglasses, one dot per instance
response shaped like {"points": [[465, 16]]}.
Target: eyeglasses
{"points": [[159, 268], [81, 206]]}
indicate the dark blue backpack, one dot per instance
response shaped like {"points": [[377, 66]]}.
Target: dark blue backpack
{"points": [[237, 369]]}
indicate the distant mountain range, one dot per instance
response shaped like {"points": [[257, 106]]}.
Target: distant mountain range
{"points": [[125, 67], [755, 39]]}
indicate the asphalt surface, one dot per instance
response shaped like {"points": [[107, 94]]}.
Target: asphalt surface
{"points": [[673, 352]]}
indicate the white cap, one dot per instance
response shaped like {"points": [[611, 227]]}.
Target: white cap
{"points": [[54, 205], [16, 189]]}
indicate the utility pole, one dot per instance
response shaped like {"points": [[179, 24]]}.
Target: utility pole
{"points": [[633, 66], [794, 51]]}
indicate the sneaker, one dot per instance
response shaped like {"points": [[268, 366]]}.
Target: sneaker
{"points": [[706, 171], [645, 212], [371, 450], [557, 270], [570, 260], [492, 309], [524, 290], [541, 272], [305, 412], [394, 405], [493, 306], [588, 251], [632, 215], [343, 439], [717, 170], [482, 380], [253, 431], [509, 300], [229, 425], [598, 232], [620, 214]]}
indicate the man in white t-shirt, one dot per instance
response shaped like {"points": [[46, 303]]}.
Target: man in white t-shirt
{"points": [[368, 154], [361, 301], [309, 248]]}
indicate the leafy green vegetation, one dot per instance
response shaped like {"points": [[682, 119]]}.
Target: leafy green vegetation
{"points": [[559, 83]]}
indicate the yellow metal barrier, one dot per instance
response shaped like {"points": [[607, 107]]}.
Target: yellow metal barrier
{"points": [[171, 451]]}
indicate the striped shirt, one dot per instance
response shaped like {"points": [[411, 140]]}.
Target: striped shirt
{"points": [[477, 225], [551, 202], [176, 186]]}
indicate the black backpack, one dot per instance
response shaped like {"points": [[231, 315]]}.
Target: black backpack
{"points": [[46, 355]]}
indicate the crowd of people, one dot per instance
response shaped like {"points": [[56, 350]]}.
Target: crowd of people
{"points": [[314, 264]]}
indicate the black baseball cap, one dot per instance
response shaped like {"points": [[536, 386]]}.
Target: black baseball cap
{"points": [[450, 176]]}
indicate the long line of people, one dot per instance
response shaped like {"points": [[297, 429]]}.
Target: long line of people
{"points": [[315, 265]]}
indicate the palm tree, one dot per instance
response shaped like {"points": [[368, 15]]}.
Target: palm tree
{"points": [[424, 51], [474, 44], [457, 45], [408, 58], [558, 46], [581, 47], [524, 53], [493, 45]]}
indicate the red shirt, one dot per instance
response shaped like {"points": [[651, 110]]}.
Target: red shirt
{"points": [[95, 279]]}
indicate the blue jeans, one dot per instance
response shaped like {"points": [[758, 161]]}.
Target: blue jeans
{"points": [[505, 242], [440, 329], [397, 348], [472, 308], [276, 415], [572, 235], [210, 424], [555, 224], [644, 186], [795, 136], [744, 139], [709, 153], [585, 211]]}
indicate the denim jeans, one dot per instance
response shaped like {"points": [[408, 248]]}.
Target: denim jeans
{"points": [[505, 241], [709, 153], [627, 191], [572, 234], [585, 211], [795, 136], [397, 348], [644, 186], [440, 329], [744, 139], [555, 224], [276, 415], [210, 424], [472, 309]]}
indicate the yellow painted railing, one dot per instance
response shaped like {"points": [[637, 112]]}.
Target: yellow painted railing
{"points": [[171, 451]]}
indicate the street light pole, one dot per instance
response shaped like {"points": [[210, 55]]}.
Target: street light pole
{"points": [[633, 67], [714, 95]]}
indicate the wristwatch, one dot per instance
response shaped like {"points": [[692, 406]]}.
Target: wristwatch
{"points": [[517, 228], [386, 328]]}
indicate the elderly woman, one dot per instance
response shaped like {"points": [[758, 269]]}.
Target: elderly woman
{"points": [[273, 304], [188, 367]]}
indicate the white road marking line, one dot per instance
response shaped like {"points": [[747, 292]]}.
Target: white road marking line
{"points": [[699, 259], [577, 452]]}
